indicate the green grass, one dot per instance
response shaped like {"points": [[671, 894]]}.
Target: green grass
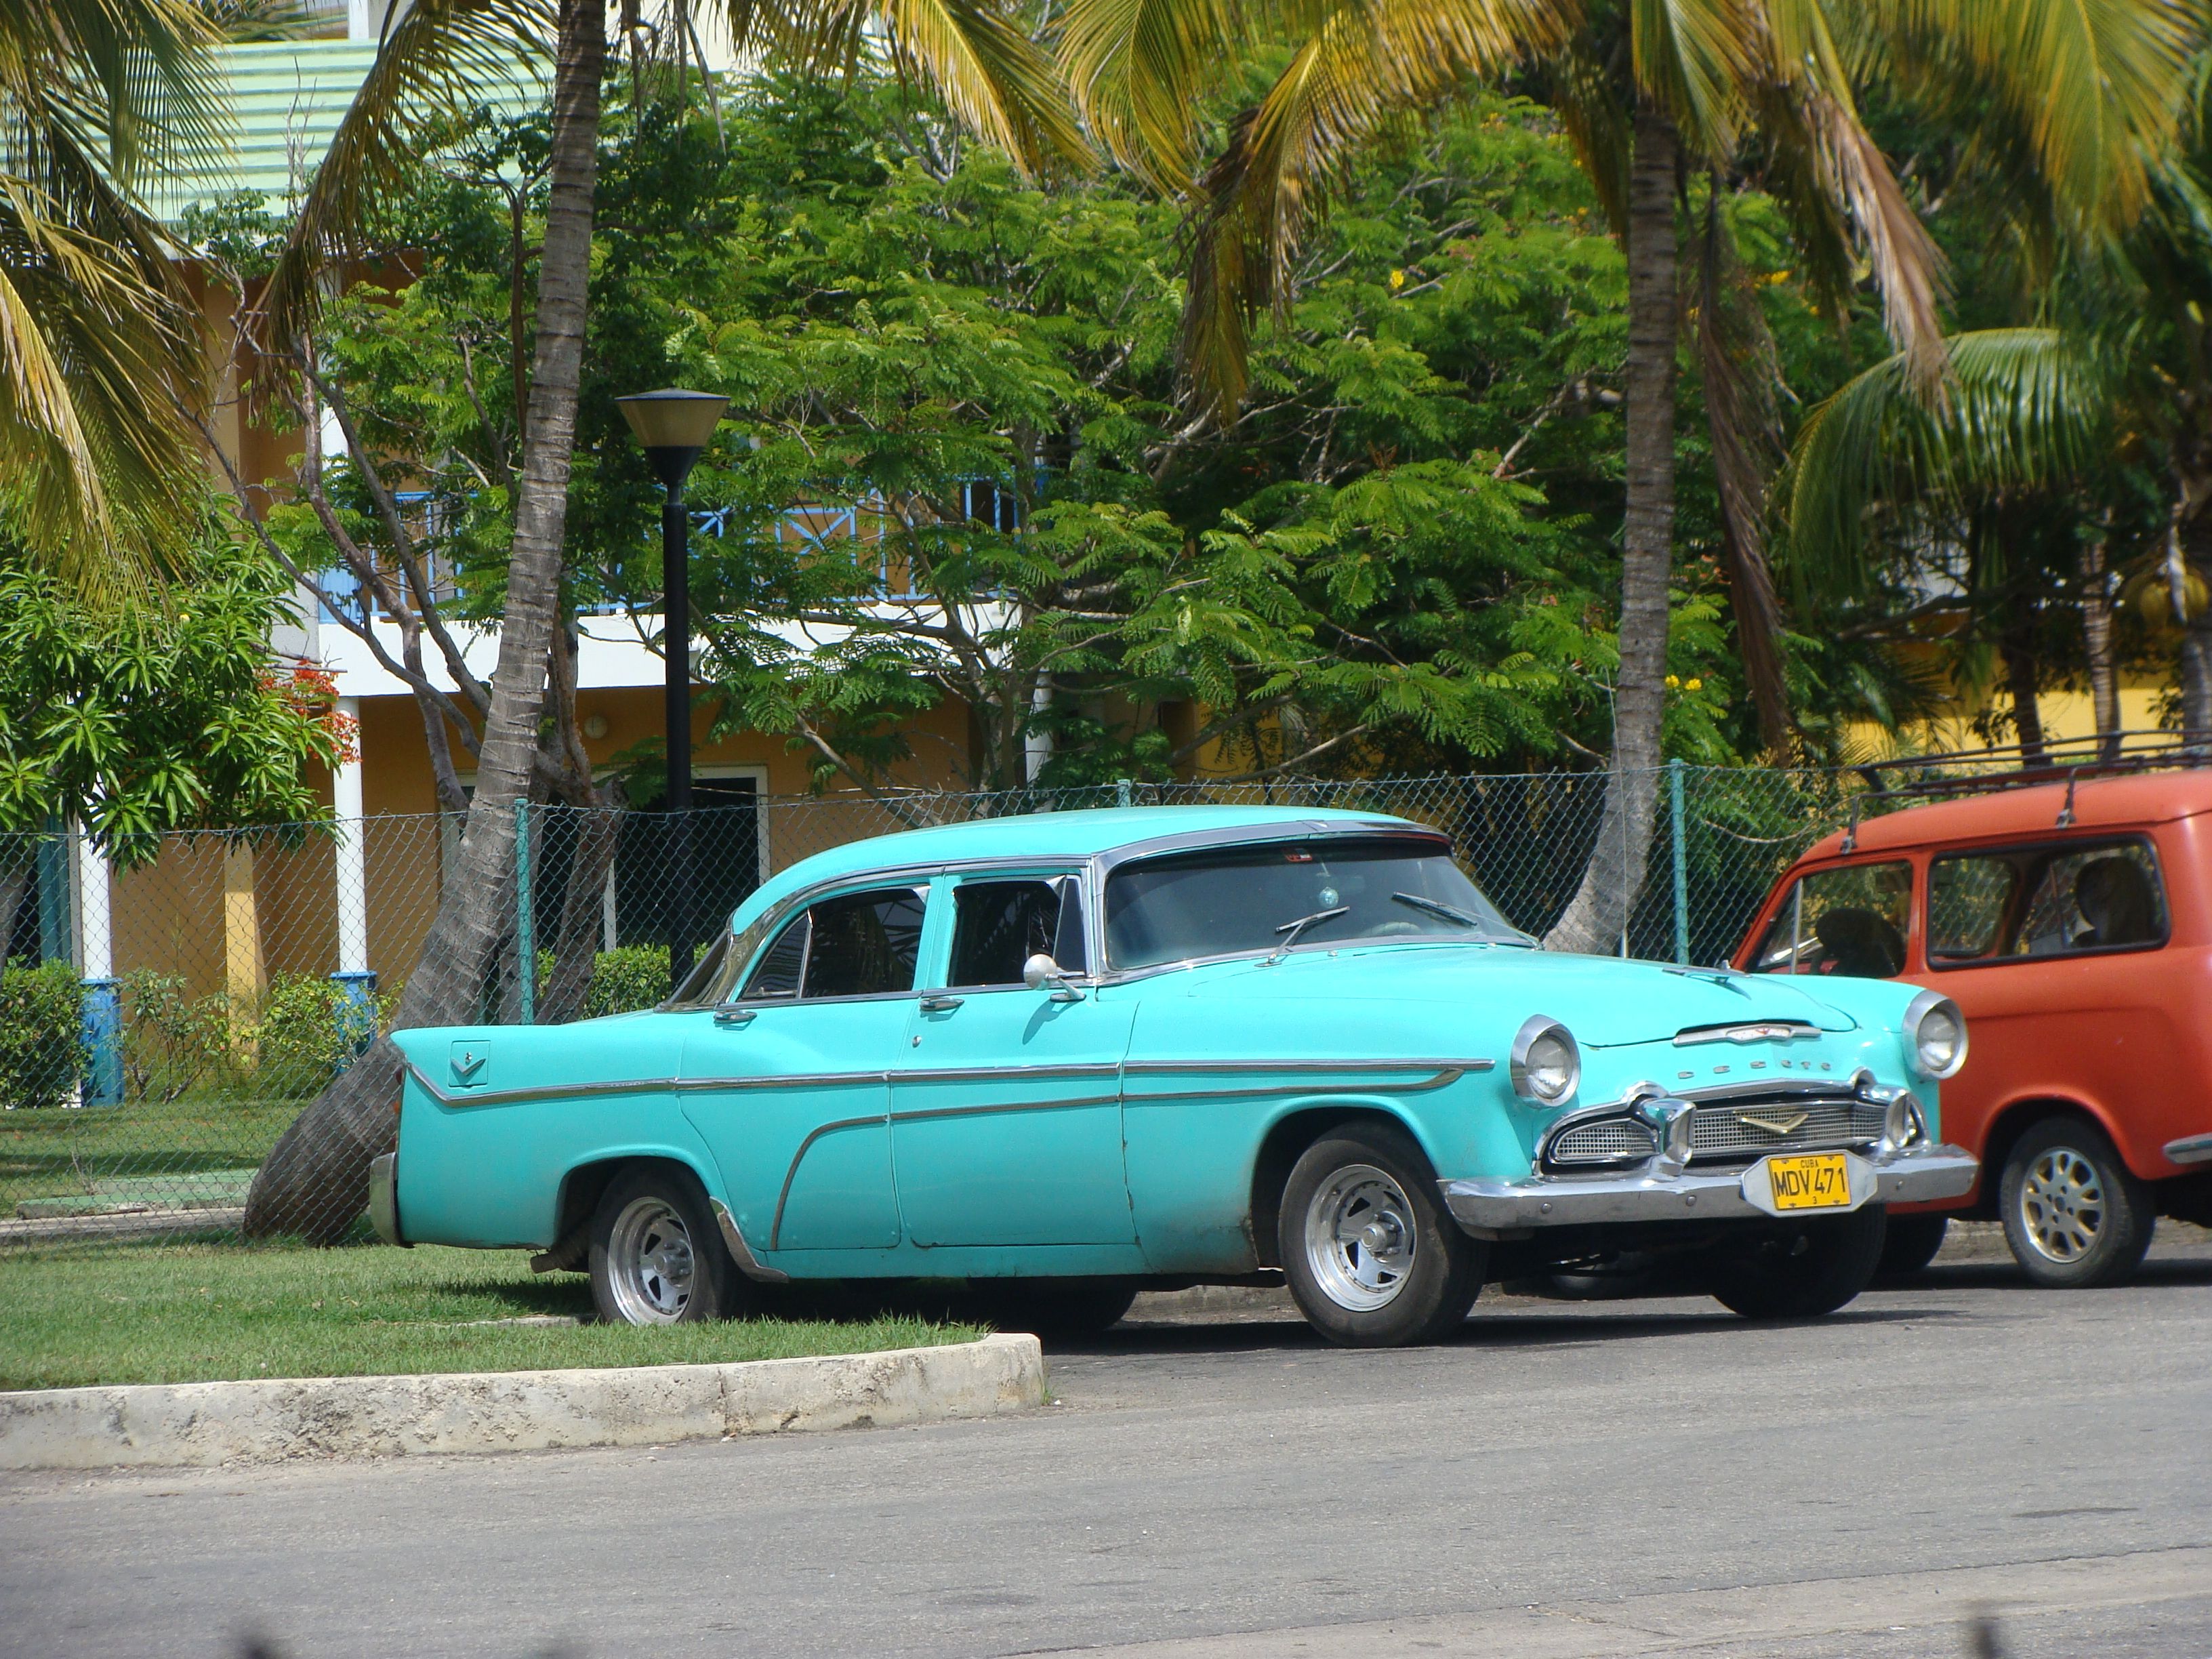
{"points": [[61, 1153], [75, 1314]]}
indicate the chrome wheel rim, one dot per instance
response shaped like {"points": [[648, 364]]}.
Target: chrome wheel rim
{"points": [[1360, 1233], [2062, 1204], [649, 1262]]}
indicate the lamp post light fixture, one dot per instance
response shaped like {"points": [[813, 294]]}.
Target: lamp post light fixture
{"points": [[674, 427]]}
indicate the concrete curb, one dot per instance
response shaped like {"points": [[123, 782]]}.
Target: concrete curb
{"points": [[203, 1424]]}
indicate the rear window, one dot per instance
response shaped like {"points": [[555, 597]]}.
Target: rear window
{"points": [[2018, 904]]}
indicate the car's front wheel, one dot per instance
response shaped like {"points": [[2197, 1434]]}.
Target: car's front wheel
{"points": [[1372, 1258], [2074, 1213], [1802, 1269], [1910, 1244], [655, 1256]]}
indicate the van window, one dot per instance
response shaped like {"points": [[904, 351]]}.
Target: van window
{"points": [[1850, 921], [2043, 902]]}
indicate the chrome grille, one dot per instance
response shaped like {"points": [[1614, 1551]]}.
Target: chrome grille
{"points": [[1610, 1140], [1718, 1132]]}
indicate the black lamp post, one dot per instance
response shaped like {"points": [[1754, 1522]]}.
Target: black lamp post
{"points": [[674, 427]]}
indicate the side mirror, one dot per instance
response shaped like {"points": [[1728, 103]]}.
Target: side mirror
{"points": [[1041, 972]]}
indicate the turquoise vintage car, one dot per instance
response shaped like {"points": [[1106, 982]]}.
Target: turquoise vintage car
{"points": [[1070, 1056]]}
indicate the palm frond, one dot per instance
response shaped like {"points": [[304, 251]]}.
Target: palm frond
{"points": [[2026, 410], [990, 75], [428, 64], [2097, 86], [1139, 69], [1693, 58]]}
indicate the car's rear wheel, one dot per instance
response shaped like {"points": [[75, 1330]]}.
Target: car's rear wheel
{"points": [[1802, 1269], [2074, 1215], [1910, 1244], [655, 1256], [1372, 1258]]}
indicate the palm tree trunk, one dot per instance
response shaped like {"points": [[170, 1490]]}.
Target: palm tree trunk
{"points": [[2196, 632], [1597, 916], [2097, 643], [315, 1180], [2019, 654]]}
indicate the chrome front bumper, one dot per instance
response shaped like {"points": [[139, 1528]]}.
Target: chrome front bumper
{"points": [[1495, 1207], [384, 1198]]}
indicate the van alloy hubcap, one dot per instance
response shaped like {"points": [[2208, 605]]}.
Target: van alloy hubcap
{"points": [[2062, 1204], [649, 1262], [1360, 1238]]}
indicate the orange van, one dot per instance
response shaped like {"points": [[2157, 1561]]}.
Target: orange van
{"points": [[2071, 920]]}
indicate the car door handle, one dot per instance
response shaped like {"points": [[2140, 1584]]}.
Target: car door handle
{"points": [[939, 1005], [735, 1018]]}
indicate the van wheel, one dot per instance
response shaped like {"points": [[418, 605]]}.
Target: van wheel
{"points": [[1372, 1258], [1801, 1270], [1911, 1245], [655, 1256], [2074, 1215]]}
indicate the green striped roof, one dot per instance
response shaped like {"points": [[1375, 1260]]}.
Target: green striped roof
{"points": [[287, 99]]}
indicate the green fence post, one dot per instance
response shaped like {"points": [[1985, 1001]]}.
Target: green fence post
{"points": [[1120, 791], [526, 943], [1681, 865]]}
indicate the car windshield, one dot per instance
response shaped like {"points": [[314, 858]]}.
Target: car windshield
{"points": [[1229, 900]]}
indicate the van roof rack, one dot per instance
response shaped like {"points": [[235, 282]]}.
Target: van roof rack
{"points": [[2017, 766]]}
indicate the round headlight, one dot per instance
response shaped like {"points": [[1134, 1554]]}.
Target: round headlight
{"points": [[1936, 1031], [1546, 1064]]}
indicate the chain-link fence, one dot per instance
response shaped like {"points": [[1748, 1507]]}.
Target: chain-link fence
{"points": [[168, 1008]]}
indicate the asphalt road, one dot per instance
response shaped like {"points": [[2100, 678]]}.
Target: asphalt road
{"points": [[1567, 1479]]}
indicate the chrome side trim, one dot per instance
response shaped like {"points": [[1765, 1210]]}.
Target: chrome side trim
{"points": [[1303, 1067], [783, 1193], [740, 1252], [1455, 1068], [384, 1199], [1488, 1207], [2190, 1149]]}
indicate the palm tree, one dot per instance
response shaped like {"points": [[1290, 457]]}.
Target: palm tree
{"points": [[101, 341], [1648, 94], [992, 79]]}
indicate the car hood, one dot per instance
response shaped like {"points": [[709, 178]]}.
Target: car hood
{"points": [[1606, 1001]]}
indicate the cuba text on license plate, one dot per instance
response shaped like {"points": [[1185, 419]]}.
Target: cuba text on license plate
{"points": [[1819, 1181]]}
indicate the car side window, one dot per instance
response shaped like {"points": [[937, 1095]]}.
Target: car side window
{"points": [[999, 925], [2032, 901], [855, 944], [1850, 921], [1969, 896], [2093, 898]]}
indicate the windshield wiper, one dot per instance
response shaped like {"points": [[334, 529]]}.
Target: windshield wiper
{"points": [[1448, 912], [1292, 929]]}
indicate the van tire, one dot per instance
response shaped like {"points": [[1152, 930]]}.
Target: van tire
{"points": [[2075, 1216]]}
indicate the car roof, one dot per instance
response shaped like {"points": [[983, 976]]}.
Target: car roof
{"points": [[2098, 803], [1049, 836]]}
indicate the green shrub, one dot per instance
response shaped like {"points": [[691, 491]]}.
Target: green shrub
{"points": [[629, 977], [308, 1032], [41, 1035], [170, 1042]]}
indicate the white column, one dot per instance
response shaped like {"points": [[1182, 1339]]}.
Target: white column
{"points": [[1036, 746], [95, 929], [352, 857]]}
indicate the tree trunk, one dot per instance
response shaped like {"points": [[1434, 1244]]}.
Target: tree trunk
{"points": [[2019, 653], [2196, 633], [594, 833], [1597, 916], [2097, 644], [315, 1180]]}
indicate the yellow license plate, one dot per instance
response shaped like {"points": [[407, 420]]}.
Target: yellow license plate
{"points": [[1819, 1181]]}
